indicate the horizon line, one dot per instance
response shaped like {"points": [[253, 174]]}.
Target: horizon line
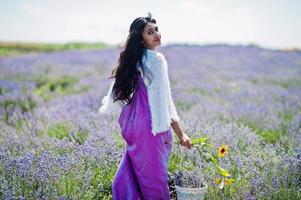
{"points": [[120, 44]]}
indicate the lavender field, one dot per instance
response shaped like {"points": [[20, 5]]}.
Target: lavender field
{"points": [[55, 145]]}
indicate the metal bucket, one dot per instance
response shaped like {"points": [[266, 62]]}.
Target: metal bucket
{"points": [[191, 193]]}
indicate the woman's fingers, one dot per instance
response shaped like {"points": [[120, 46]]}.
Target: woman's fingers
{"points": [[187, 143]]}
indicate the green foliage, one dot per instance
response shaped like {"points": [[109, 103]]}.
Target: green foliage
{"points": [[102, 178], [284, 83], [67, 185], [287, 116], [198, 91], [59, 131], [79, 137], [87, 180], [49, 88], [63, 130], [2, 91], [24, 105], [15, 48], [174, 162], [230, 193], [273, 136], [224, 119], [254, 81], [217, 89], [269, 136], [287, 83], [183, 105], [118, 140]]}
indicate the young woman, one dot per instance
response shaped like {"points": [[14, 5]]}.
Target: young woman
{"points": [[141, 88]]}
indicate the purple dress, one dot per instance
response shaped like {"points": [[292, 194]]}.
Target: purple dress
{"points": [[143, 171]]}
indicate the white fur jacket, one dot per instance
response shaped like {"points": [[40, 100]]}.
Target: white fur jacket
{"points": [[160, 99]]}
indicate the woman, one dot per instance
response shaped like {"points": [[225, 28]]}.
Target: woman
{"points": [[142, 90]]}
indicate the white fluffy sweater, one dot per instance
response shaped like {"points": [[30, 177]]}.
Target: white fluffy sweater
{"points": [[160, 99]]}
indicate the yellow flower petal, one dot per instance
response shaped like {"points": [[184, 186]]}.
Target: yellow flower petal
{"points": [[218, 180], [222, 150], [229, 181]]}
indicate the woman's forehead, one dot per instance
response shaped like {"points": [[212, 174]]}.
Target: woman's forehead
{"points": [[149, 26]]}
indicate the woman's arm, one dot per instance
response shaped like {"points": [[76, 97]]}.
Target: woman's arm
{"points": [[108, 105], [183, 137]]}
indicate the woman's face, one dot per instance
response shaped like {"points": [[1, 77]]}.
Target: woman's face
{"points": [[151, 36]]}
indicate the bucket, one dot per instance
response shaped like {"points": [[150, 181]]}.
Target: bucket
{"points": [[191, 193]]}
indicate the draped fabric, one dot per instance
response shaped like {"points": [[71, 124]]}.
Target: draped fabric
{"points": [[143, 171]]}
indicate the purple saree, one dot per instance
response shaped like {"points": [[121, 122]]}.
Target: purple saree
{"points": [[143, 171]]}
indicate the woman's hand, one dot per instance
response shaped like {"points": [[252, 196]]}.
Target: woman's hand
{"points": [[185, 140], [183, 137]]}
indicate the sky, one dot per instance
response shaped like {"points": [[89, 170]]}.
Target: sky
{"points": [[266, 23]]}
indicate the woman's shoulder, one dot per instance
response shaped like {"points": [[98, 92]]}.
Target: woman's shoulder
{"points": [[153, 55]]}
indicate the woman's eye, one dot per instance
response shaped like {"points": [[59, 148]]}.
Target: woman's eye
{"points": [[150, 32]]}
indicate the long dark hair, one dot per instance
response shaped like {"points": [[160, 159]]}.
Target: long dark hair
{"points": [[126, 72]]}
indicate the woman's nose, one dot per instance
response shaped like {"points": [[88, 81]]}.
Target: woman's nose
{"points": [[158, 34]]}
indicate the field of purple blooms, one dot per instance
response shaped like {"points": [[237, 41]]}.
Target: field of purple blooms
{"points": [[55, 145]]}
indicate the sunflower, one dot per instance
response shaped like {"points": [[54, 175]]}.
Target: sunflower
{"points": [[222, 150]]}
